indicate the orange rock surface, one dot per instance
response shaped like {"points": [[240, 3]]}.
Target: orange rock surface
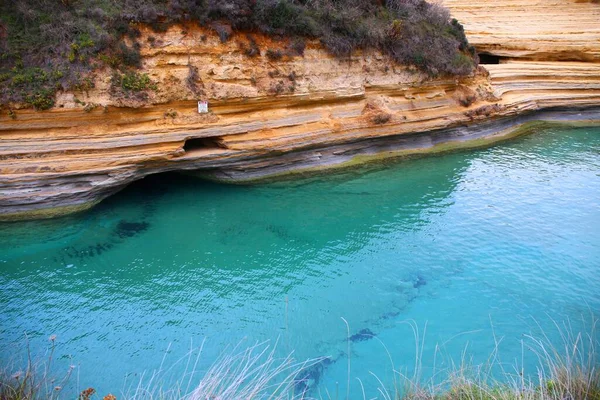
{"points": [[550, 30]]}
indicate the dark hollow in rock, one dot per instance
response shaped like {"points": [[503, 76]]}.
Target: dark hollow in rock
{"points": [[126, 229], [362, 335], [201, 143], [485, 58]]}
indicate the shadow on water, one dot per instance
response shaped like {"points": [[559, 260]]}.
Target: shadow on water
{"points": [[307, 381], [308, 215], [120, 217]]}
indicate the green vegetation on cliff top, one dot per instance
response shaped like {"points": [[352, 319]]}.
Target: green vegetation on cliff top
{"points": [[52, 45]]}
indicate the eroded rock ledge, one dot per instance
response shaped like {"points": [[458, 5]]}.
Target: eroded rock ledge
{"points": [[270, 118]]}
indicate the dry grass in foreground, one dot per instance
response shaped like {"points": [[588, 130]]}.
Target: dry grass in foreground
{"points": [[568, 370]]}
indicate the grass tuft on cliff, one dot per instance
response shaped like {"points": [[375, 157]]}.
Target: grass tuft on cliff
{"points": [[52, 45]]}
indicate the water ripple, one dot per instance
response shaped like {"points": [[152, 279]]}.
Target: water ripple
{"points": [[500, 234]]}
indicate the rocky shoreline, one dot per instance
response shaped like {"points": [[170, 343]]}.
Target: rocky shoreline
{"points": [[320, 160], [350, 155]]}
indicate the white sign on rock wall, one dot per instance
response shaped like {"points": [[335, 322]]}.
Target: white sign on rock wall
{"points": [[202, 107]]}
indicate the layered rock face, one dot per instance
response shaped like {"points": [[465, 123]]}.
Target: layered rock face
{"points": [[279, 114], [551, 30]]}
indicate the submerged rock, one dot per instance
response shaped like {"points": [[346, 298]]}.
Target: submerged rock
{"points": [[362, 335], [126, 229], [309, 378], [420, 281]]}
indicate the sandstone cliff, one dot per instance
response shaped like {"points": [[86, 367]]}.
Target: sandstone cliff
{"points": [[295, 114], [550, 30]]}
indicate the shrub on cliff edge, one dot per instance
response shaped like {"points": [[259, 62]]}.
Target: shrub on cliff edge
{"points": [[68, 39]]}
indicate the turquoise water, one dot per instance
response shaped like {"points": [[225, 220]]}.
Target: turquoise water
{"points": [[507, 237]]}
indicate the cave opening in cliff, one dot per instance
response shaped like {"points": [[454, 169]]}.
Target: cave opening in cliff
{"points": [[202, 143], [485, 58]]}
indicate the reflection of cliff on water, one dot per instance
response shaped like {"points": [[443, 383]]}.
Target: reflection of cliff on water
{"points": [[247, 227]]}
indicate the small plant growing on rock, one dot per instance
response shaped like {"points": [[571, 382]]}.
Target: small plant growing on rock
{"points": [[192, 80], [251, 49], [89, 107], [282, 86], [133, 81], [465, 96], [224, 31], [296, 47], [41, 100], [277, 88], [485, 111], [381, 118], [84, 84], [274, 55], [131, 85]]}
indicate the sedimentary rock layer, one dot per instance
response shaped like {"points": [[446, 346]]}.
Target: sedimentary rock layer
{"points": [[551, 30], [271, 117]]}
